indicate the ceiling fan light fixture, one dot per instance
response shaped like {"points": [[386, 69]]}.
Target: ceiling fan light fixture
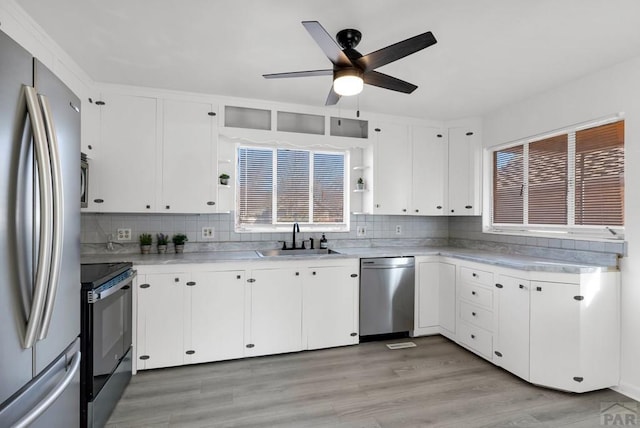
{"points": [[348, 82]]}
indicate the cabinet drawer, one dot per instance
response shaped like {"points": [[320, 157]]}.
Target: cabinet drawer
{"points": [[477, 294], [476, 338], [476, 315], [475, 275]]}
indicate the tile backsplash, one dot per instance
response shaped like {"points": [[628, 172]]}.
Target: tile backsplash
{"points": [[465, 232]]}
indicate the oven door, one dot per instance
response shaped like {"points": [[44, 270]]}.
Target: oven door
{"points": [[110, 330]]}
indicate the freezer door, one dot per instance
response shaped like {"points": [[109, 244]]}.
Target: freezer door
{"points": [[52, 399], [65, 314], [15, 362]]}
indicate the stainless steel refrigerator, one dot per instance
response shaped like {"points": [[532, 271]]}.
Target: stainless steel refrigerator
{"points": [[40, 258]]}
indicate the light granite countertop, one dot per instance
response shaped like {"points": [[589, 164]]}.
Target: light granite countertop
{"points": [[519, 262]]}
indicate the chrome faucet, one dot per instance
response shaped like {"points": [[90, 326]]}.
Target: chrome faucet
{"points": [[296, 228]]}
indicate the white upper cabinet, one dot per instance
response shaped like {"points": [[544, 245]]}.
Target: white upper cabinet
{"points": [[429, 162], [392, 174], [123, 178], [464, 172], [189, 164]]}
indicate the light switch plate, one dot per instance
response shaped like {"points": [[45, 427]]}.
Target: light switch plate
{"points": [[398, 229], [207, 232]]}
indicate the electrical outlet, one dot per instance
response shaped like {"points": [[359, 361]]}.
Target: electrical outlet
{"points": [[207, 232], [124, 235], [361, 231], [398, 229]]}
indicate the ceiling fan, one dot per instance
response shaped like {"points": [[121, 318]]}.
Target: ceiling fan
{"points": [[351, 69]]}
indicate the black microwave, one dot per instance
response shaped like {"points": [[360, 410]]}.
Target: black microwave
{"points": [[84, 181]]}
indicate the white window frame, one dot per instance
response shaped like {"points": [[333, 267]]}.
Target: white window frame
{"points": [[569, 231], [277, 227]]}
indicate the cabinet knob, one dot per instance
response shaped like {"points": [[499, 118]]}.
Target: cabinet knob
{"points": [[404, 210], [190, 352], [473, 336], [578, 378], [498, 285], [473, 314], [417, 211], [167, 207], [521, 287], [475, 275], [176, 279], [148, 207], [238, 277], [98, 201], [452, 211], [468, 207], [353, 334], [211, 203], [313, 273], [298, 273], [145, 285], [473, 293], [377, 205], [439, 207], [250, 345], [499, 354], [538, 288]]}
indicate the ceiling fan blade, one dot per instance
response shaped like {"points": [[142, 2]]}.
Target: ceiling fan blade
{"points": [[396, 51], [385, 81], [299, 74], [327, 44], [332, 98]]}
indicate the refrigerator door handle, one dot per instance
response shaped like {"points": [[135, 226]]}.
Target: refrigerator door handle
{"points": [[28, 419], [44, 242], [58, 214]]}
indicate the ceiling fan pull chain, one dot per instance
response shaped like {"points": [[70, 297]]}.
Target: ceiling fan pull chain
{"points": [[358, 111]]}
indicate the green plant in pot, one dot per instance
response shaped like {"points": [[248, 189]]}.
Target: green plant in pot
{"points": [[163, 240], [360, 184], [178, 241], [145, 243], [224, 179]]}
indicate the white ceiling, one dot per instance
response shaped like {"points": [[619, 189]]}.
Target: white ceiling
{"points": [[490, 53]]}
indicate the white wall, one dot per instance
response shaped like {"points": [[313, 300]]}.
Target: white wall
{"points": [[610, 91]]}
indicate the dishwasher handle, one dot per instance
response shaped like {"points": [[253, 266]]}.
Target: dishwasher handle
{"points": [[388, 263]]}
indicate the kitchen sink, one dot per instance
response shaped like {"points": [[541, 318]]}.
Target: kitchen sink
{"points": [[297, 252]]}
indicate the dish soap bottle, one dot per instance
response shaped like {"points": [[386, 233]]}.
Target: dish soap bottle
{"points": [[323, 242]]}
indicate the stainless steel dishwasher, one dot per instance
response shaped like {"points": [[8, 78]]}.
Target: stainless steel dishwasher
{"points": [[386, 295]]}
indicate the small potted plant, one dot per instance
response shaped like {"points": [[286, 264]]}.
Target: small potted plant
{"points": [[178, 241], [145, 243], [224, 179], [163, 240], [360, 184]]}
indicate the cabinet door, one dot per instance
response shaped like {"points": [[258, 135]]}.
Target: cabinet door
{"points": [[392, 170], [430, 157], [124, 175], [555, 332], [215, 325], [428, 278], [511, 326], [447, 297], [275, 319], [330, 306], [160, 320], [464, 173], [188, 158]]}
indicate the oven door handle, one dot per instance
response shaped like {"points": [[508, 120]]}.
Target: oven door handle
{"points": [[94, 297]]}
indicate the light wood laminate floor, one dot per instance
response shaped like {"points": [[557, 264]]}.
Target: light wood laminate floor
{"points": [[436, 384]]}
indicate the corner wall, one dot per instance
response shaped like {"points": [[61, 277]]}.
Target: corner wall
{"points": [[605, 93]]}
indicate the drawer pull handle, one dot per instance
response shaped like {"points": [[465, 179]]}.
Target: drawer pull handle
{"points": [[499, 354], [521, 287], [144, 357], [191, 283], [499, 285], [354, 275], [578, 378], [538, 288], [145, 285], [354, 334], [250, 345], [176, 279], [578, 298], [190, 352]]}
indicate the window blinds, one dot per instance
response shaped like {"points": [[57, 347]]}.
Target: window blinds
{"points": [[508, 185], [328, 188], [255, 186], [548, 181]]}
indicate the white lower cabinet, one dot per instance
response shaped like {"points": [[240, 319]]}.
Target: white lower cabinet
{"points": [[160, 320], [214, 322], [330, 306], [214, 312], [275, 311], [511, 331], [435, 309]]}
